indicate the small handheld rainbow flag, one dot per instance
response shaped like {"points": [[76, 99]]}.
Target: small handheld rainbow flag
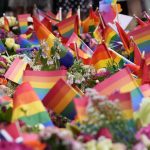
{"points": [[43, 81], [68, 26], [142, 37], [23, 23], [6, 24], [43, 33], [101, 57], [28, 108], [121, 81], [60, 99], [15, 71], [74, 39]]}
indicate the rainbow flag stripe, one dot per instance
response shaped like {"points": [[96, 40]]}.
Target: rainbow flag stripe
{"points": [[125, 104], [136, 96], [142, 38], [60, 99], [28, 108], [101, 57], [110, 36], [81, 106], [2, 47], [121, 81], [43, 81], [68, 26], [15, 71], [23, 23], [43, 33], [24, 43]]}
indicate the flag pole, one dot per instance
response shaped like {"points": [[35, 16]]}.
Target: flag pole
{"points": [[60, 13], [117, 12], [79, 13], [76, 50]]}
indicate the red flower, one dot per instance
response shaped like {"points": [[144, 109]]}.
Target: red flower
{"points": [[104, 132]]}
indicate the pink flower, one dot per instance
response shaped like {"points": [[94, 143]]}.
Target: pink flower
{"points": [[145, 131]]}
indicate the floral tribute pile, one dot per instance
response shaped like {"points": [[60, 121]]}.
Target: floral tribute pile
{"points": [[75, 84]]}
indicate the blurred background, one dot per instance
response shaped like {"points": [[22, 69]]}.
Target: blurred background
{"points": [[14, 7]]}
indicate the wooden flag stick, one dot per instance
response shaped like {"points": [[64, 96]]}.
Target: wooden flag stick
{"points": [[76, 50], [117, 12], [60, 13], [79, 13]]}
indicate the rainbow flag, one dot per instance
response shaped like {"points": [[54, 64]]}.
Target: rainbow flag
{"points": [[23, 23], [136, 96], [124, 38], [142, 37], [91, 22], [81, 106], [43, 81], [68, 26], [121, 81], [15, 71], [101, 57], [28, 108], [6, 24], [80, 44], [2, 47], [145, 90], [60, 99], [124, 104], [43, 33], [110, 36]]}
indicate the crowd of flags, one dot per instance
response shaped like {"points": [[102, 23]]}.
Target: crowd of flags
{"points": [[41, 90]]}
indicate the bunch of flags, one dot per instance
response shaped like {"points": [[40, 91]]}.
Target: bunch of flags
{"points": [[41, 90]]}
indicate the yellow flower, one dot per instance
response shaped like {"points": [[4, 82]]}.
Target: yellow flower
{"points": [[10, 42], [91, 145], [119, 146], [104, 144], [16, 46]]}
